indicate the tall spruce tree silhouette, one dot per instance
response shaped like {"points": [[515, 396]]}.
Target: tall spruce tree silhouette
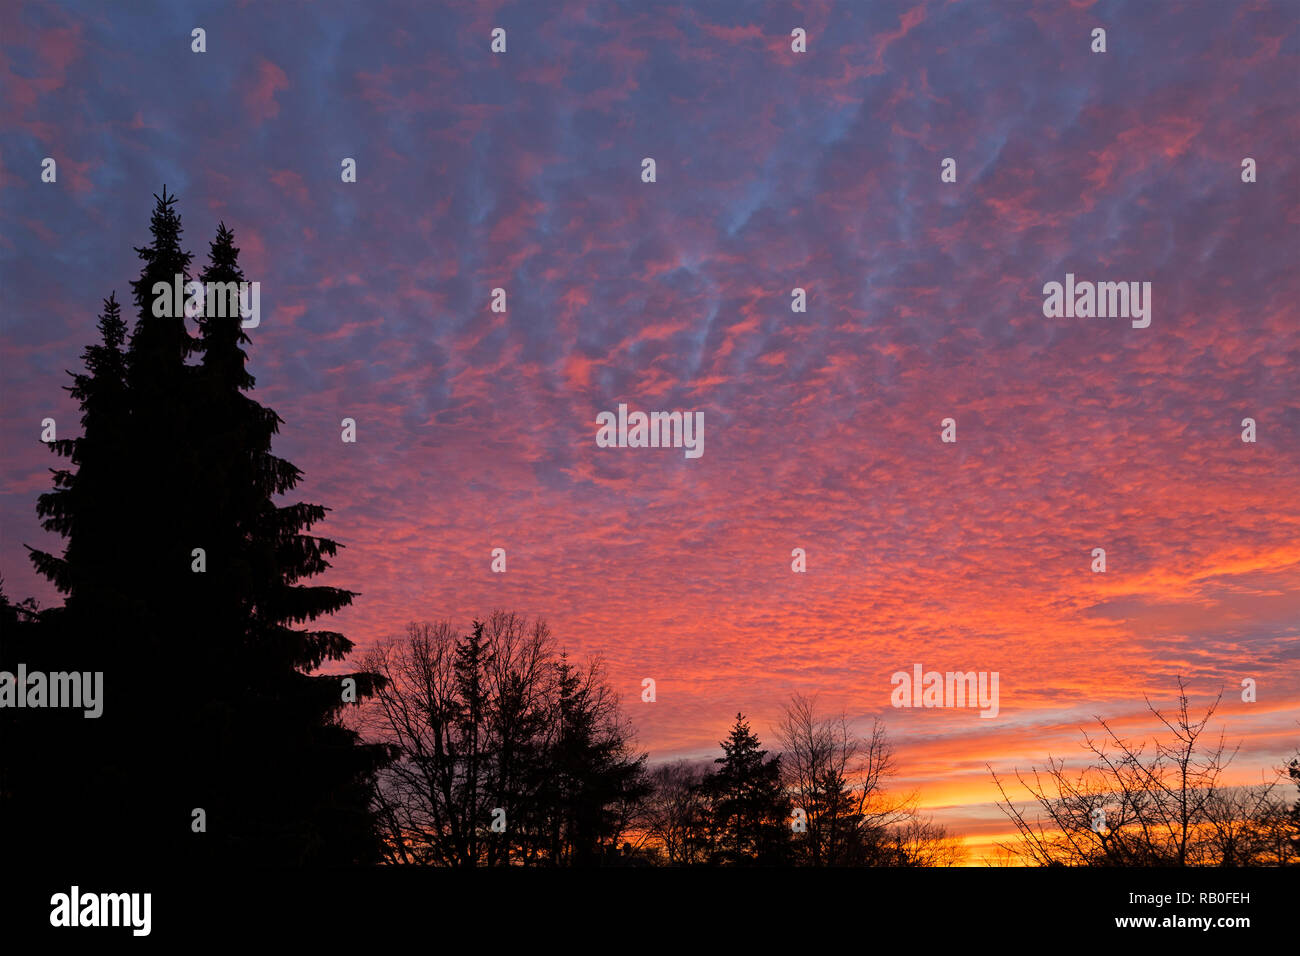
{"points": [[83, 508], [209, 700], [70, 777], [306, 779], [473, 656]]}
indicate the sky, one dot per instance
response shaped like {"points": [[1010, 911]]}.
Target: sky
{"points": [[820, 170]]}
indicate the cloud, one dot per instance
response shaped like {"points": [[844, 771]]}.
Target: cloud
{"points": [[476, 429]]}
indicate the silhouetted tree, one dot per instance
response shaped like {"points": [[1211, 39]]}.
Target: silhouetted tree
{"points": [[917, 842], [304, 778], [1156, 803], [1293, 771], [519, 679], [85, 505], [493, 721], [837, 779], [596, 781], [209, 699], [750, 813], [420, 797], [100, 627], [675, 814], [471, 660]]}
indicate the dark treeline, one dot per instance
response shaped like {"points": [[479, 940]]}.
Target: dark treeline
{"points": [[508, 753], [505, 752]]}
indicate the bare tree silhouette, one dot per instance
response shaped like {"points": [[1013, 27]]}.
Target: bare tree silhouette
{"points": [[1158, 802], [506, 753], [675, 813], [838, 779]]}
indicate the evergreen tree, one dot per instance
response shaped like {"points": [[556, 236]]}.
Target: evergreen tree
{"points": [[522, 769], [749, 808], [96, 630], [303, 778], [495, 714], [210, 702], [593, 763], [84, 508], [470, 662], [839, 821], [156, 461]]}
